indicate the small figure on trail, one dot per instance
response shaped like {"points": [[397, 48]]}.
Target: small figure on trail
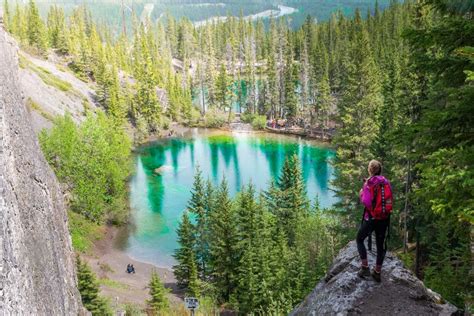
{"points": [[130, 268], [376, 196]]}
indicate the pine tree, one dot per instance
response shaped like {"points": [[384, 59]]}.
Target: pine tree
{"points": [[57, 29], [280, 256], [255, 278], [210, 68], [222, 242], [18, 24], [115, 103], [290, 79], [186, 270], [35, 28], [273, 97], [357, 115], [293, 205], [324, 100], [441, 133], [146, 101], [159, 300], [222, 88], [6, 15], [78, 44], [304, 78], [197, 206], [251, 83], [89, 290]]}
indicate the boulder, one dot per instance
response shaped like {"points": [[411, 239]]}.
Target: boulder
{"points": [[342, 292], [162, 169]]}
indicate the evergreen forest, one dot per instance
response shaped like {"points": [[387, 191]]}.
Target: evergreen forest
{"points": [[395, 85]]}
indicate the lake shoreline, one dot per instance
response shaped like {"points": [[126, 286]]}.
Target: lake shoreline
{"points": [[180, 130], [109, 261]]}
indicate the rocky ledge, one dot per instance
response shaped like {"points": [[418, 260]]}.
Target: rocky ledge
{"points": [[342, 292]]}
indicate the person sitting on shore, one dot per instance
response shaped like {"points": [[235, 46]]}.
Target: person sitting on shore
{"points": [[130, 268]]}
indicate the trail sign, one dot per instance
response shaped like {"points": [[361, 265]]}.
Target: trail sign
{"points": [[191, 303]]}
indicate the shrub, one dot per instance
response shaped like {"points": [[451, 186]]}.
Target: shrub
{"points": [[93, 160], [165, 122], [214, 119], [133, 310], [259, 122], [193, 117], [247, 117], [83, 232]]}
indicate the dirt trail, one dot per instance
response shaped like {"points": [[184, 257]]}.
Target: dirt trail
{"points": [[109, 262]]}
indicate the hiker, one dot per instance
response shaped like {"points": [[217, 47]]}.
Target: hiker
{"points": [[130, 268], [376, 196]]}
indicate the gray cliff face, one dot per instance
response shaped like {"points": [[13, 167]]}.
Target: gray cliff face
{"points": [[342, 292], [37, 267]]}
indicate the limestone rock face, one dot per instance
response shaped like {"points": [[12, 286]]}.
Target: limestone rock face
{"points": [[37, 267], [342, 292]]}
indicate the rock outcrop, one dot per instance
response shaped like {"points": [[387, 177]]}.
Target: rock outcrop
{"points": [[37, 268], [342, 292]]}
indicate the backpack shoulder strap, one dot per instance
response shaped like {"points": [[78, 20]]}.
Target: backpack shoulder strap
{"points": [[374, 197]]}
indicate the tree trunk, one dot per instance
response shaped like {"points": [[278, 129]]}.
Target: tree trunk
{"points": [[418, 257], [405, 229]]}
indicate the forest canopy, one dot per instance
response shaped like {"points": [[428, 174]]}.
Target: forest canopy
{"points": [[394, 84]]}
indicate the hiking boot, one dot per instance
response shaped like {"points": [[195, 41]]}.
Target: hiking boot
{"points": [[364, 272], [376, 276]]}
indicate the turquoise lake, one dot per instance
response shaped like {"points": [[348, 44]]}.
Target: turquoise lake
{"points": [[158, 199]]}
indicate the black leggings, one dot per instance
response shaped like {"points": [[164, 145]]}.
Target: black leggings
{"points": [[366, 228]]}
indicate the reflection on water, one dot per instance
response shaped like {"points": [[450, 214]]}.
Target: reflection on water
{"points": [[160, 187]]}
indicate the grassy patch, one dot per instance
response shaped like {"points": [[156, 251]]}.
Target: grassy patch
{"points": [[22, 62], [83, 232], [35, 106], [47, 77], [113, 284], [61, 67], [86, 105], [133, 310], [51, 80], [408, 259], [106, 268]]}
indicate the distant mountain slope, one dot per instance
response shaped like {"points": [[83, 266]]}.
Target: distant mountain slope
{"points": [[201, 10]]}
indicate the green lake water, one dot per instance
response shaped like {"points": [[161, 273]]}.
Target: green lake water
{"points": [[158, 200]]}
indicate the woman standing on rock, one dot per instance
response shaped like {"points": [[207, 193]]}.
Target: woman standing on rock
{"points": [[376, 196]]}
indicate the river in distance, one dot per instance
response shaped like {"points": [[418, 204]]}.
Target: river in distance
{"points": [[158, 199]]}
